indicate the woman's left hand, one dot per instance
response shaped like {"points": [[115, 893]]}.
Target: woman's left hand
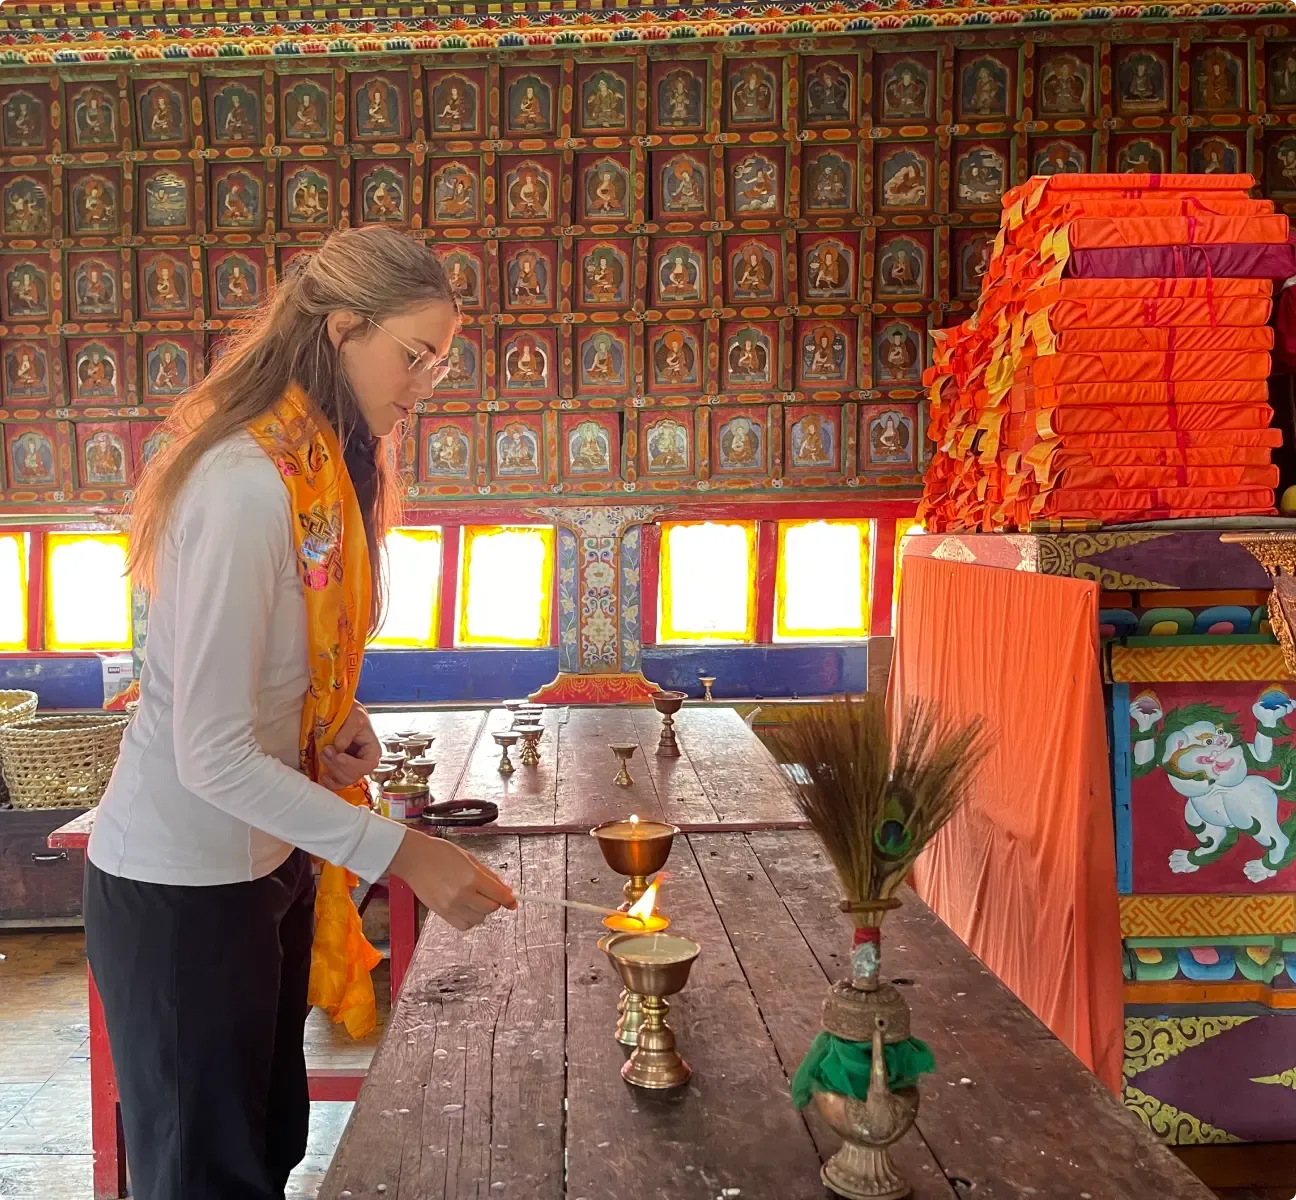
{"points": [[353, 754]]}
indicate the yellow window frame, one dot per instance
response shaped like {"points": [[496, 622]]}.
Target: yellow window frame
{"points": [[52, 542], [23, 542], [426, 533], [470, 535], [781, 629], [667, 632]]}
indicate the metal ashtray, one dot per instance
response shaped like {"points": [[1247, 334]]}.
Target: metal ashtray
{"points": [[450, 814]]}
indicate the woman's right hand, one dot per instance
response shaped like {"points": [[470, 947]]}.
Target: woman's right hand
{"points": [[449, 881]]}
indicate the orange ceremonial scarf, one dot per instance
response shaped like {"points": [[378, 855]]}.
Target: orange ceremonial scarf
{"points": [[334, 558]]}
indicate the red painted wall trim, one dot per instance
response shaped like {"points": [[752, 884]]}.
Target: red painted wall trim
{"points": [[649, 583], [883, 577], [678, 508], [36, 590], [449, 613], [766, 572]]}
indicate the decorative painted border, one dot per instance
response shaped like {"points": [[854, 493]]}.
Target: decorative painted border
{"points": [[1231, 663], [80, 32], [1206, 916]]}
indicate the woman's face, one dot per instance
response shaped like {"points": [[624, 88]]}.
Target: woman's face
{"points": [[378, 367]]}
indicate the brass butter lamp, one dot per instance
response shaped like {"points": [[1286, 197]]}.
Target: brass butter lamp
{"points": [[624, 752], [668, 704], [505, 739], [530, 735], [637, 849], [654, 966]]}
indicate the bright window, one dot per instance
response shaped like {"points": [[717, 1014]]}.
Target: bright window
{"points": [[413, 588], [13, 591], [823, 580], [87, 594], [904, 531], [708, 581], [504, 599]]}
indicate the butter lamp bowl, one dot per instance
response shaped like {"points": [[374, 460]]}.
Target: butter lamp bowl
{"points": [[654, 966], [635, 848], [669, 702]]}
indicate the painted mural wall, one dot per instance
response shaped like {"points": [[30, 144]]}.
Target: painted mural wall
{"points": [[705, 268]]}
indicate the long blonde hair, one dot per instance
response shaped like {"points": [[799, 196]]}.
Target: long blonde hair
{"points": [[373, 271]]}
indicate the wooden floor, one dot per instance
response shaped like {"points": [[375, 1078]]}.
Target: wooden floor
{"points": [[45, 1072], [45, 1080]]}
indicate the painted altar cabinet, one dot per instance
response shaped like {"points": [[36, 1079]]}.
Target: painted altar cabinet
{"points": [[1105, 581]]}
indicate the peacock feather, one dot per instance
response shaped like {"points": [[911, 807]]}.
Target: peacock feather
{"points": [[876, 795]]}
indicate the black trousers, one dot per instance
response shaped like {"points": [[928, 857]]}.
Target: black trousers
{"points": [[204, 994]]}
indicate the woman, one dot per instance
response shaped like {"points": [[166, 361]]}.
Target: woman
{"points": [[258, 534]]}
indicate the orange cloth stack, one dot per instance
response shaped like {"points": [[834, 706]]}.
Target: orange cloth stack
{"points": [[1107, 399]]}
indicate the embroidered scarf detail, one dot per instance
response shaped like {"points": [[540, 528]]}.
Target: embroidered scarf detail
{"points": [[328, 532]]}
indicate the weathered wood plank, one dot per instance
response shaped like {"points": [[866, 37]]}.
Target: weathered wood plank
{"points": [[788, 983], [586, 768], [680, 793], [734, 1126], [738, 774], [1030, 1120], [527, 797], [472, 1063], [528, 1076]]}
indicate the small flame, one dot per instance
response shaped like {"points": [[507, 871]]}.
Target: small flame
{"points": [[634, 818], [643, 907]]}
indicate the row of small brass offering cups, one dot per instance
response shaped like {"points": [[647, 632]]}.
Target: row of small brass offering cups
{"points": [[526, 728], [651, 963], [404, 773]]}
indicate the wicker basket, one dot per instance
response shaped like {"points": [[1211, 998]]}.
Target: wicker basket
{"points": [[60, 762], [14, 706]]}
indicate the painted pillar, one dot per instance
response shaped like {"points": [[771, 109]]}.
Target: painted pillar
{"points": [[599, 597]]}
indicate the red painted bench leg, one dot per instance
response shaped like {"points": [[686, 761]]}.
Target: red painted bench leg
{"points": [[105, 1118], [404, 930]]}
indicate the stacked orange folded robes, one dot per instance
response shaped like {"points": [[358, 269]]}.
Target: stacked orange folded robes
{"points": [[1109, 400]]}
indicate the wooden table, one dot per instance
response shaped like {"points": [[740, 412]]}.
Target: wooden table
{"points": [[498, 1073], [724, 779]]}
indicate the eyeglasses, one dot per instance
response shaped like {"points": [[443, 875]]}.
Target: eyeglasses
{"points": [[424, 362]]}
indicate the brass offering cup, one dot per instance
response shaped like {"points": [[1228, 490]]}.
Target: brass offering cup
{"points": [[624, 752], [382, 775], [630, 1004], [530, 735], [706, 681], [396, 762], [668, 704], [416, 745], [654, 966], [504, 740], [514, 705], [637, 849], [395, 744], [421, 769]]}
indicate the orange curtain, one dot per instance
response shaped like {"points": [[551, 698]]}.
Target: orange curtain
{"points": [[1026, 873]]}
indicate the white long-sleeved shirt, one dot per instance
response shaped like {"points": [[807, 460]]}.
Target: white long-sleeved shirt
{"points": [[207, 789]]}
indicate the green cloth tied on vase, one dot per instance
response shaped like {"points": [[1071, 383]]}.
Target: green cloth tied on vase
{"points": [[836, 1065]]}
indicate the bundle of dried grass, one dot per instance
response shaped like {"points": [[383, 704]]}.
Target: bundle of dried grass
{"points": [[873, 802]]}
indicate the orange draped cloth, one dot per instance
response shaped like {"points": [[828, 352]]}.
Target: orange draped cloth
{"points": [[1025, 874], [333, 555]]}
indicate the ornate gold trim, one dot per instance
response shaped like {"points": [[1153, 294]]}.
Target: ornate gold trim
{"points": [[1236, 663]]}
